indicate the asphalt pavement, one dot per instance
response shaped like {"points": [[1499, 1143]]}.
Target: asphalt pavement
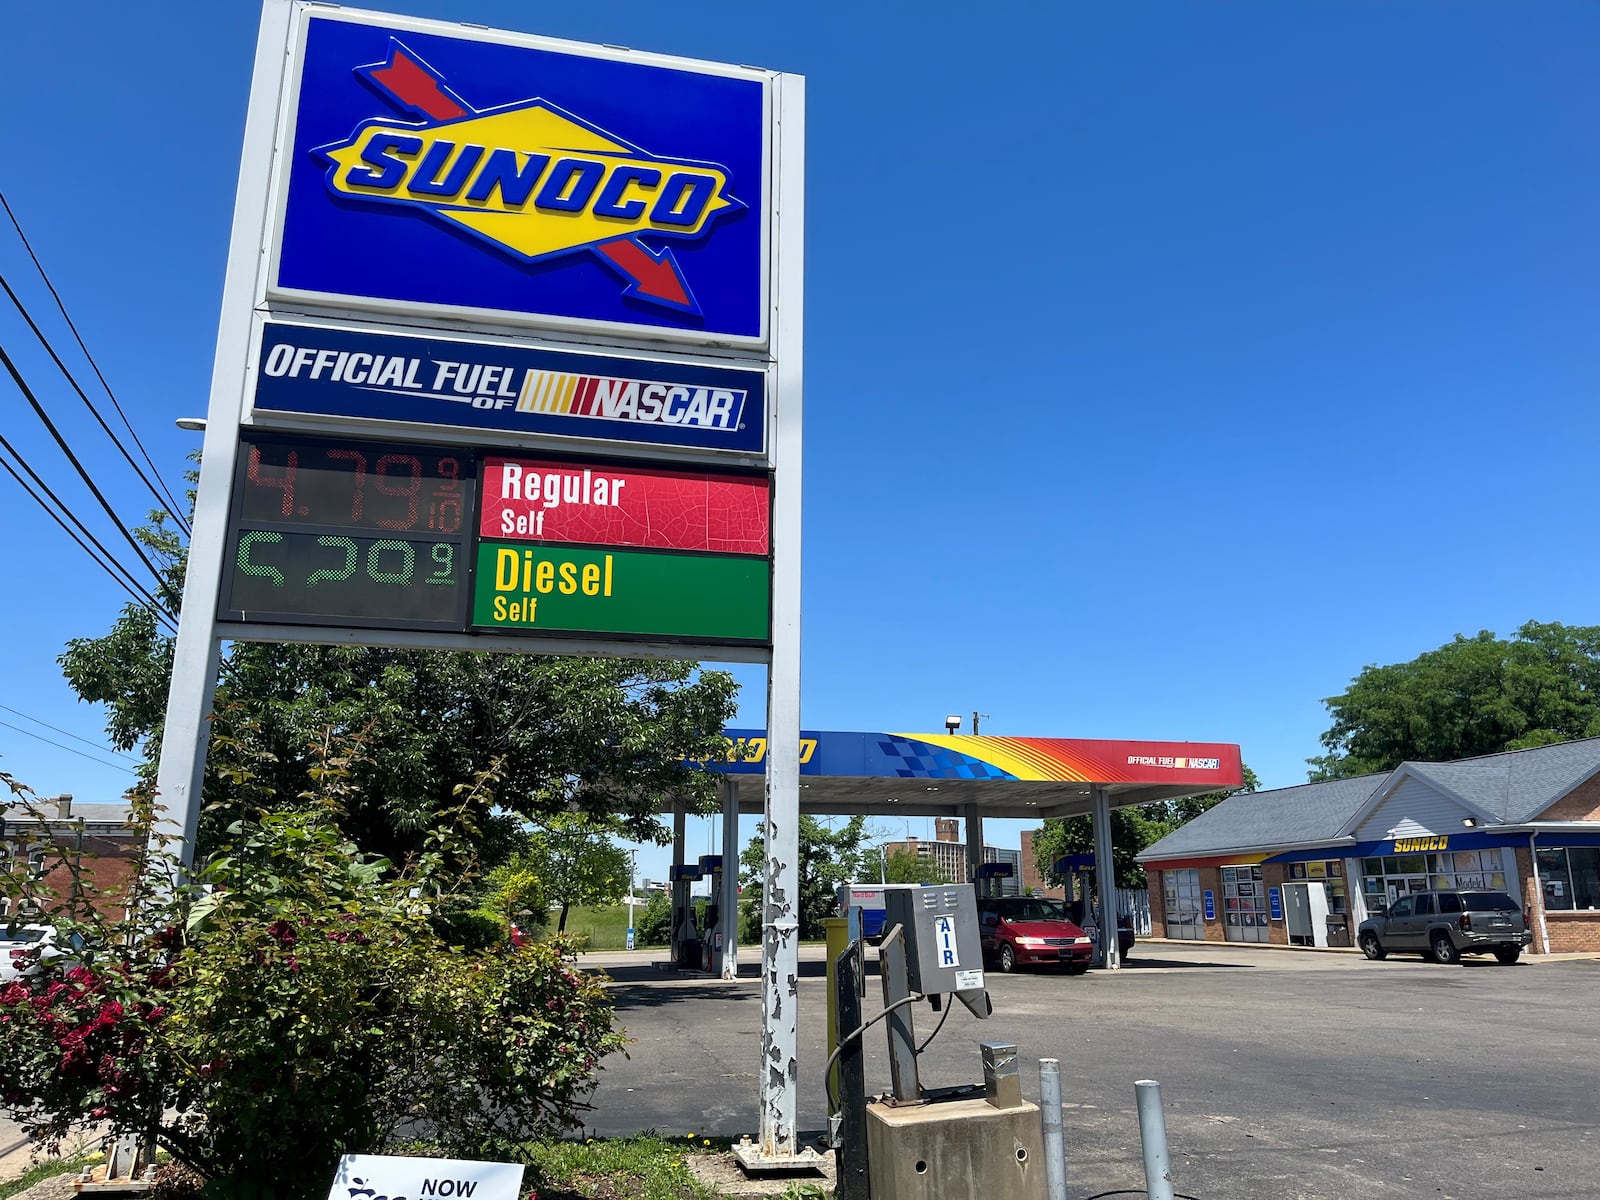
{"points": [[1285, 1074]]}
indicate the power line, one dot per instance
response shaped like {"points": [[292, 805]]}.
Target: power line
{"points": [[163, 498], [67, 733], [68, 749], [33, 401], [176, 509], [105, 558]]}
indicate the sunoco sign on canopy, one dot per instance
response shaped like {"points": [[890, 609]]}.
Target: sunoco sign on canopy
{"points": [[509, 181]]}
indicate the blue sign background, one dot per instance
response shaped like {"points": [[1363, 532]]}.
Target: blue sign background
{"points": [[1275, 903], [1208, 900], [360, 250], [324, 397]]}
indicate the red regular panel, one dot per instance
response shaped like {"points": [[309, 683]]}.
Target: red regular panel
{"points": [[606, 505]]}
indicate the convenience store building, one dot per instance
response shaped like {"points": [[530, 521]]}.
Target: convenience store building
{"points": [[1306, 865]]}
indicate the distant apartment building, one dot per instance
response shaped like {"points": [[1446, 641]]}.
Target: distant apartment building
{"points": [[949, 853]]}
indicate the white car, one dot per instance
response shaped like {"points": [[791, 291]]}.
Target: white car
{"points": [[16, 941]]}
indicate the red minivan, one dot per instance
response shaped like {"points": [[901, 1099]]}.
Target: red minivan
{"points": [[1028, 931]]}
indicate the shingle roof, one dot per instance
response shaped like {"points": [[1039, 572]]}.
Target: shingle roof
{"points": [[94, 814], [1310, 812], [1516, 785]]}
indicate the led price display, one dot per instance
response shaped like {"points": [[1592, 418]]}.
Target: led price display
{"points": [[355, 485], [350, 533]]}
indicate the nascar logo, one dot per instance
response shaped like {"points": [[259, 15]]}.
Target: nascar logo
{"points": [[630, 400], [531, 180], [498, 386]]}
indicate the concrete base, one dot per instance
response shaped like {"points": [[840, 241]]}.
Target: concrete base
{"points": [[725, 1175], [749, 1156], [955, 1150]]}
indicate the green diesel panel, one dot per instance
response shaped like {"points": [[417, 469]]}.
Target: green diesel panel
{"points": [[546, 588]]}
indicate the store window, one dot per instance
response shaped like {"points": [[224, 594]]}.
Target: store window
{"points": [[1181, 890], [1244, 904], [1570, 878], [1385, 880]]}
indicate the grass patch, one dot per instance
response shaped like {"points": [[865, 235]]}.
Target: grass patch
{"points": [[599, 928], [48, 1169], [644, 1167]]}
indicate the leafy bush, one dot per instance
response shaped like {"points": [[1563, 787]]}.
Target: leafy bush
{"points": [[296, 1004], [653, 927]]}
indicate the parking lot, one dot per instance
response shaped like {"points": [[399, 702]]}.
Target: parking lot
{"points": [[1285, 1074]]}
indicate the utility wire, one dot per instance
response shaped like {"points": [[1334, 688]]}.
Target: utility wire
{"points": [[105, 558], [67, 733], [176, 508], [33, 401], [163, 498], [68, 749]]}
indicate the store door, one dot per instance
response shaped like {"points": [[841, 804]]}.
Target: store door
{"points": [[1181, 890]]}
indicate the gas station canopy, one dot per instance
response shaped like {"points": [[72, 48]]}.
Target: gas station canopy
{"points": [[937, 774]]}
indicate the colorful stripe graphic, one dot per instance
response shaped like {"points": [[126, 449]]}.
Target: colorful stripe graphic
{"points": [[552, 391], [1202, 765]]}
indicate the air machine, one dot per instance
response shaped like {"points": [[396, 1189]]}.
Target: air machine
{"points": [[914, 1143]]}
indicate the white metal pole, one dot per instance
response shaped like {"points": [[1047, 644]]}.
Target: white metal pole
{"points": [[1055, 1142], [1153, 1140], [780, 928], [728, 902], [633, 871], [190, 692]]}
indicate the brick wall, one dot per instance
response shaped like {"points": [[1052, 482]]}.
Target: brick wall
{"points": [[1582, 803], [107, 866], [1030, 871]]}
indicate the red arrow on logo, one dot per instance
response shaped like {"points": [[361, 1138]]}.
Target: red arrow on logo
{"points": [[651, 276]]}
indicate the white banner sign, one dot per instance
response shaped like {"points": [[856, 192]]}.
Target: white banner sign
{"points": [[390, 1177]]}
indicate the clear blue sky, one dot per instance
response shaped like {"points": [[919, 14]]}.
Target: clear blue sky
{"points": [[1166, 362]]}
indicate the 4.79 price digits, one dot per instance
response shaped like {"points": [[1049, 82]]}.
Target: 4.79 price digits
{"points": [[354, 484]]}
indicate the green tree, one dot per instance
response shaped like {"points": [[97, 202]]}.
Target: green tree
{"points": [[608, 738], [828, 857], [903, 866], [1471, 696], [576, 861]]}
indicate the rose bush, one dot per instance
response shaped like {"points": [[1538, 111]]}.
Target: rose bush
{"points": [[294, 1003]]}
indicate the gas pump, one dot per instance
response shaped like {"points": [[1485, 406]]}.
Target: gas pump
{"points": [[711, 948], [987, 879], [1078, 871], [685, 938]]}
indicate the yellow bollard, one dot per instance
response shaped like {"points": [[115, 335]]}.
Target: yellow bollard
{"points": [[838, 935]]}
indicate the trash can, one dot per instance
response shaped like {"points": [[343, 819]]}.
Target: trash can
{"points": [[1338, 929]]}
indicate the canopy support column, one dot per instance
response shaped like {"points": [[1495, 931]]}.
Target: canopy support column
{"points": [[728, 902], [1110, 956], [974, 842]]}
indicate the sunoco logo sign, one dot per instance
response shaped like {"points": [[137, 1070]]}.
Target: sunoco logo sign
{"points": [[530, 180]]}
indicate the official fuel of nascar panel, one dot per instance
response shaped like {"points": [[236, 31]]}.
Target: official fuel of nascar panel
{"points": [[465, 260]]}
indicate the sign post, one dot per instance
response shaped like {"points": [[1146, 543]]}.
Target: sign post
{"points": [[509, 360]]}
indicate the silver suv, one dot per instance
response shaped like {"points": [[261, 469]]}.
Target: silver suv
{"points": [[1443, 926]]}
